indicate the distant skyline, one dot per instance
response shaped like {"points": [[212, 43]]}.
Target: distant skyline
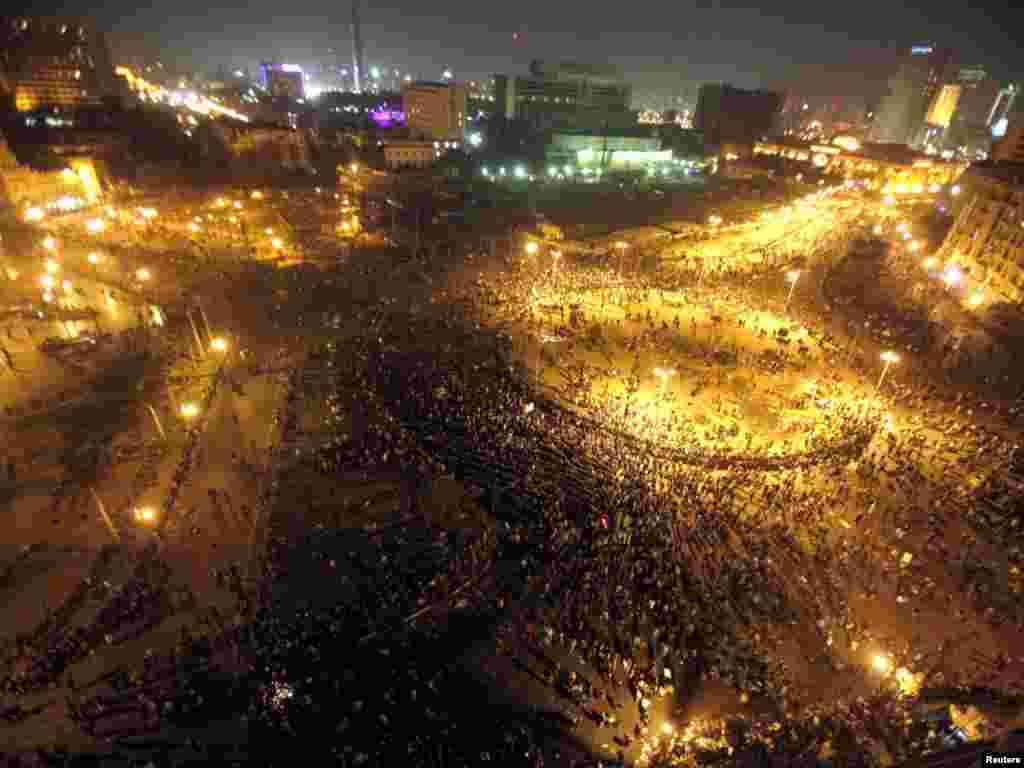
{"points": [[819, 51]]}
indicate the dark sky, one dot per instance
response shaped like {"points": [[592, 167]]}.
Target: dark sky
{"points": [[817, 48]]}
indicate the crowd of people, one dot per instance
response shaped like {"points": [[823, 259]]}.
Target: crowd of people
{"points": [[622, 576]]}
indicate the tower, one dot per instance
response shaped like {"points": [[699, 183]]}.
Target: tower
{"points": [[357, 48]]}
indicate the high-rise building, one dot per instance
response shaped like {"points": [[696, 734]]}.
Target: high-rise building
{"points": [[901, 116], [435, 110], [969, 130], [53, 62], [565, 96], [358, 64], [727, 114], [1006, 104]]}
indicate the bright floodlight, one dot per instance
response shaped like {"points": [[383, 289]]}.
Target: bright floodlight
{"points": [[95, 226], [34, 213], [52, 266], [145, 515], [952, 275], [49, 244], [531, 247], [189, 410], [955, 191], [93, 258], [881, 664], [269, 230], [143, 274], [878, 229], [890, 357], [277, 243], [237, 205], [46, 281], [219, 344]]}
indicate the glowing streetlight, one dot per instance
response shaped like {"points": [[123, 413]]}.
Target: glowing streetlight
{"points": [[930, 262], [34, 213], [220, 202], [219, 344], [914, 246], [878, 229], [256, 195], [143, 274], [889, 200], [277, 243], [46, 281], [793, 276], [52, 266], [531, 247], [667, 729], [888, 357], [268, 231], [66, 286], [881, 664], [237, 205], [93, 258], [714, 221], [144, 515], [189, 410], [50, 244], [193, 227], [955, 190], [952, 275], [95, 226], [977, 299], [354, 167], [664, 374], [148, 213]]}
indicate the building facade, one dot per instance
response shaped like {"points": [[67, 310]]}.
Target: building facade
{"points": [[53, 62], [409, 154], [1010, 146], [435, 111], [987, 240], [902, 113], [282, 81], [725, 114], [565, 96], [591, 151]]}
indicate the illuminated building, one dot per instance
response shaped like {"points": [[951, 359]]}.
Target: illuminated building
{"points": [[282, 81], [588, 150], [566, 96], [726, 114], [882, 166], [1009, 147], [53, 62], [1006, 103], [409, 154], [435, 111], [912, 90], [987, 238]]}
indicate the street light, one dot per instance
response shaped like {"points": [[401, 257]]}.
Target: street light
{"points": [[52, 266], [277, 243], [46, 281], [889, 358], [977, 299], [664, 374], [95, 226], [952, 275], [189, 410], [219, 344], [144, 515], [34, 213], [881, 664], [793, 277], [49, 244], [531, 247], [143, 274]]}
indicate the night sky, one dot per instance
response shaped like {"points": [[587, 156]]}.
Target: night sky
{"points": [[819, 50]]}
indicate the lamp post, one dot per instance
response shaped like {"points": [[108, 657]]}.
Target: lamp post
{"points": [[621, 245], [793, 277], [664, 374], [889, 358]]}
